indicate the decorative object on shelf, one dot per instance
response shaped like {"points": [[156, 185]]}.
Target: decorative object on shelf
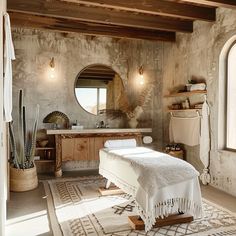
{"points": [[42, 143], [58, 118], [23, 175], [175, 106], [185, 104], [41, 138], [173, 147], [175, 150], [131, 112]]}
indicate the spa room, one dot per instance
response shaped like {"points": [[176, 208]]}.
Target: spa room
{"points": [[118, 118]]}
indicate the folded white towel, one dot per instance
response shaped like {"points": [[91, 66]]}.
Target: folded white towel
{"points": [[120, 143], [199, 86]]}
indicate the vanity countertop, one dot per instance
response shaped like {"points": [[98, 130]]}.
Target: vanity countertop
{"points": [[99, 131]]}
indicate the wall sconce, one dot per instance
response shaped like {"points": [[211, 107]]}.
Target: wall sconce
{"points": [[52, 69], [141, 77]]}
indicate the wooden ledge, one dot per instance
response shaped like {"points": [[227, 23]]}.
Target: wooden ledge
{"points": [[110, 191], [137, 223]]}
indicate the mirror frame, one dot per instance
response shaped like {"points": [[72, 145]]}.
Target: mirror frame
{"points": [[76, 78]]}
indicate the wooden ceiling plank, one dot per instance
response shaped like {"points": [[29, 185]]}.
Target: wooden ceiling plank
{"points": [[157, 7], [69, 25], [98, 15], [214, 3]]}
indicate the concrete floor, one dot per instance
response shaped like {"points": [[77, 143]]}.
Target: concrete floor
{"points": [[27, 212]]}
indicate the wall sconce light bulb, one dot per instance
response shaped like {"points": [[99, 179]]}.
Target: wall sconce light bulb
{"points": [[52, 69], [141, 82]]}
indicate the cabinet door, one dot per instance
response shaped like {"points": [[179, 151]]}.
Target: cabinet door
{"points": [[98, 144], [91, 151], [67, 146], [81, 149]]}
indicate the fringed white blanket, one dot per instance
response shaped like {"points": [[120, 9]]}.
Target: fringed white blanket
{"points": [[160, 184]]}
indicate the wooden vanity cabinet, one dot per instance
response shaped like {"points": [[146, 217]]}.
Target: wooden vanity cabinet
{"points": [[84, 148], [78, 147], [84, 145]]}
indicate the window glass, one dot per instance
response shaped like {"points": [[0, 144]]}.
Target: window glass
{"points": [[102, 98], [88, 99], [231, 100]]}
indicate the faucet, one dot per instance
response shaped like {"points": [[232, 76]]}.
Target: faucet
{"points": [[101, 124]]}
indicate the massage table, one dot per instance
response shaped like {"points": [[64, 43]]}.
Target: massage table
{"points": [[138, 171]]}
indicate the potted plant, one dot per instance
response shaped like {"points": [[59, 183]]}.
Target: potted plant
{"points": [[23, 174]]}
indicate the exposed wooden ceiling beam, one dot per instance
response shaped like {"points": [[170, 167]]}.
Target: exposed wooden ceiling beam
{"points": [[157, 7], [60, 9], [69, 25], [214, 3]]}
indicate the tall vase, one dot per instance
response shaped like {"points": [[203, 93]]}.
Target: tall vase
{"points": [[133, 122]]}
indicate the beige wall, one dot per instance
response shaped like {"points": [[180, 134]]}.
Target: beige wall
{"points": [[165, 65], [73, 52], [198, 55], [3, 143]]}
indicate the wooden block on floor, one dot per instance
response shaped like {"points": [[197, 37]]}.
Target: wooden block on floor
{"points": [[137, 223], [110, 191]]}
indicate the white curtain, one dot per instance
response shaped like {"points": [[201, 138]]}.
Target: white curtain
{"points": [[9, 55]]}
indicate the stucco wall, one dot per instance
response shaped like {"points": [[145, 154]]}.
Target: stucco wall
{"points": [[73, 52], [198, 55]]}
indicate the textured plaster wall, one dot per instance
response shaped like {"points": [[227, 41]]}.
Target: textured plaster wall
{"points": [[73, 52], [198, 55]]}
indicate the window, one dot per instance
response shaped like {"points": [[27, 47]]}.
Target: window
{"points": [[231, 100], [92, 99]]}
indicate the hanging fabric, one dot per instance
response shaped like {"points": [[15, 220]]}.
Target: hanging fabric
{"points": [[205, 143], [9, 55], [185, 130]]}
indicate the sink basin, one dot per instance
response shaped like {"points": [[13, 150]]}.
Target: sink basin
{"points": [[77, 127]]}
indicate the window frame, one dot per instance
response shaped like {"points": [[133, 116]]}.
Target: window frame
{"points": [[226, 99]]}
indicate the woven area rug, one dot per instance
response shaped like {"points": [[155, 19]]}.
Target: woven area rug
{"points": [[81, 211]]}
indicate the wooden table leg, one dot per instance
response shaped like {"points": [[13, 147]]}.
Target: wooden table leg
{"points": [[58, 161]]}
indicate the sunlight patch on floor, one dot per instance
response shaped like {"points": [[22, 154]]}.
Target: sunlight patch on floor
{"points": [[87, 207], [29, 225]]}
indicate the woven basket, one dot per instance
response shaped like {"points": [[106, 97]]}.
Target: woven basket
{"points": [[23, 179]]}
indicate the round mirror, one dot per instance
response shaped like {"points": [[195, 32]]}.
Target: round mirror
{"points": [[98, 88]]}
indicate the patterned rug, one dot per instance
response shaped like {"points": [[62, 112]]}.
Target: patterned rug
{"points": [[81, 211]]}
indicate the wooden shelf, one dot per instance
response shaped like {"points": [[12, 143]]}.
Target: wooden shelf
{"points": [[44, 161], [186, 94], [45, 148], [173, 110]]}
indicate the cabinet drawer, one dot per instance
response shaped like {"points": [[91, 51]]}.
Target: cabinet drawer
{"points": [[81, 149]]}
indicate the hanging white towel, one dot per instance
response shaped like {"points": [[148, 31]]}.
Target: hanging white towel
{"points": [[205, 143], [9, 55], [185, 130]]}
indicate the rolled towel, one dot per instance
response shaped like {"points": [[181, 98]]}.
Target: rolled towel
{"points": [[147, 139], [120, 143]]}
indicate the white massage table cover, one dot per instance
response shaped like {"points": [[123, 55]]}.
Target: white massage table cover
{"points": [[124, 167]]}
